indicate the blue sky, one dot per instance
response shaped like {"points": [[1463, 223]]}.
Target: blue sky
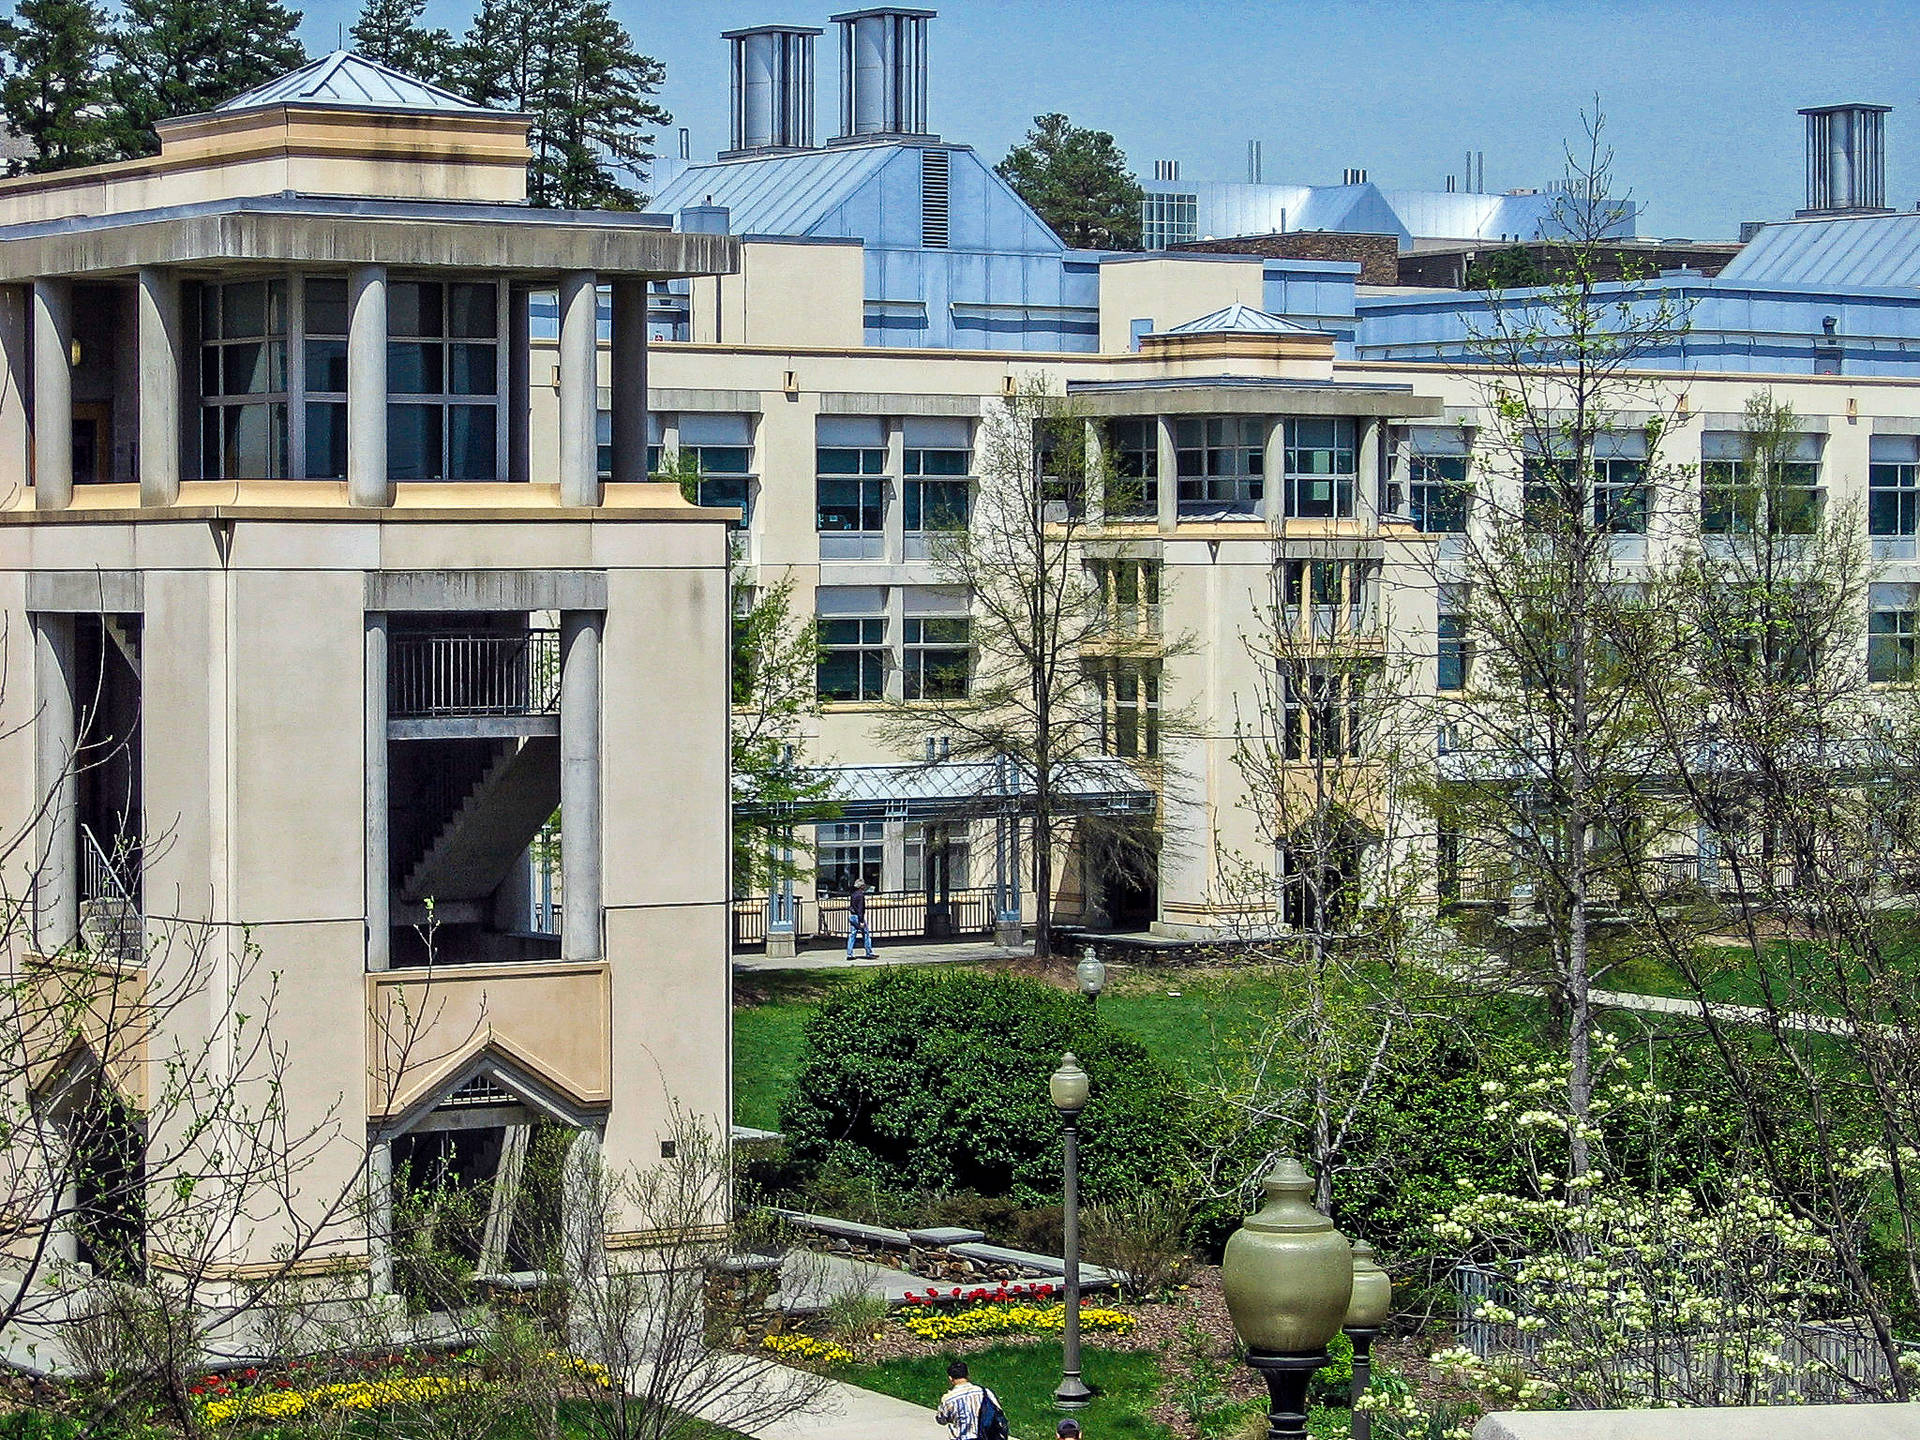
{"points": [[1700, 94]]}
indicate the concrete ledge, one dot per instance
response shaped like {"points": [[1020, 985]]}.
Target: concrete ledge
{"points": [[1092, 1277], [853, 1230], [1743, 1422], [943, 1236]]}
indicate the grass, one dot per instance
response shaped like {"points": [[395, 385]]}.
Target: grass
{"points": [[769, 1035], [1126, 1385]]}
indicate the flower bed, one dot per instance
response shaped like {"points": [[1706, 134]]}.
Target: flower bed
{"points": [[1000, 1318], [251, 1395], [981, 1294], [805, 1350]]}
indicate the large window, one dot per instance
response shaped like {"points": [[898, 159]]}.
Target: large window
{"points": [[324, 323], [1127, 593], [1440, 495], [844, 853], [443, 380], [1327, 597], [1893, 485], [1618, 492], [1133, 486], [854, 650], [936, 657], [1129, 694], [935, 490], [850, 513], [1735, 496], [1168, 219], [1453, 657], [1222, 462], [720, 450], [1891, 641], [1321, 460], [243, 380], [1320, 709]]}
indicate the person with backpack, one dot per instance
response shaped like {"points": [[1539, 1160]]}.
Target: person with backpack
{"points": [[857, 919], [970, 1411]]}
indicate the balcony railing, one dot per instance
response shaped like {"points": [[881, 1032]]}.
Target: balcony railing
{"points": [[459, 675]]}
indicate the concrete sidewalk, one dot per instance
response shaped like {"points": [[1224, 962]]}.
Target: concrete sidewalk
{"points": [[915, 953], [847, 1412]]}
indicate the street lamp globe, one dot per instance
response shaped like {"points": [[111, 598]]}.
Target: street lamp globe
{"points": [[1372, 1298], [1091, 974], [1068, 1086]]}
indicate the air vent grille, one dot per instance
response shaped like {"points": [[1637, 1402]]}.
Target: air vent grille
{"points": [[935, 173]]}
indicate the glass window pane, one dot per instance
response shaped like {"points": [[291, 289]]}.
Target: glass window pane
{"points": [[254, 369], [472, 442], [413, 369], [210, 370], [255, 442], [209, 312], [473, 311], [413, 442], [244, 310], [327, 366], [413, 308], [326, 307], [276, 307], [326, 441], [210, 444], [474, 372]]}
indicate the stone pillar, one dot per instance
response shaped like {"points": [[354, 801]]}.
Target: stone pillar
{"points": [[1169, 477], [519, 385], [380, 1217], [159, 358], [580, 785], [367, 482], [379, 884], [1366, 464], [630, 378], [56, 740], [52, 394], [1096, 477], [583, 1206], [1274, 461], [16, 428], [579, 392]]}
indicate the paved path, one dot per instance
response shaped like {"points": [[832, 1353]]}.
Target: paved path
{"points": [[832, 958], [846, 1412], [809, 1279]]}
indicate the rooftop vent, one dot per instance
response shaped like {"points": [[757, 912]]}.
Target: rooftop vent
{"points": [[1846, 159], [935, 178], [1166, 169], [772, 87], [883, 72], [1353, 177]]}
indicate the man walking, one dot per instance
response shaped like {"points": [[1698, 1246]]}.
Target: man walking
{"points": [[970, 1411], [857, 919]]}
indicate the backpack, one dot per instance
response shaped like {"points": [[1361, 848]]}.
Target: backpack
{"points": [[993, 1419]]}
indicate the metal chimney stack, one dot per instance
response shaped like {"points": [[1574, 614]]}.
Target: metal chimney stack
{"points": [[883, 72], [772, 88], [1846, 159]]}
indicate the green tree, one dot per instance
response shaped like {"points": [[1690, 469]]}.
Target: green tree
{"points": [[390, 32], [1513, 268], [1078, 182], [572, 67], [182, 57], [54, 94]]}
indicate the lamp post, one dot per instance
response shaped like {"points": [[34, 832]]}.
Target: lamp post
{"points": [[1367, 1311], [1092, 976], [1068, 1087], [1288, 1278]]}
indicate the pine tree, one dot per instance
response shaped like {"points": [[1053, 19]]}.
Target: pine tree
{"points": [[390, 32], [1078, 182], [181, 57], [573, 68], [54, 92]]}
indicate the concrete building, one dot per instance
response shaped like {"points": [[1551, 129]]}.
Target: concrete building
{"points": [[313, 631]]}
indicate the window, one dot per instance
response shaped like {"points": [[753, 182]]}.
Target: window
{"points": [[243, 380], [324, 343], [1619, 493], [1133, 484], [442, 380], [1320, 710], [1221, 461], [1735, 490], [845, 853], [931, 850], [1168, 219], [1729, 495], [1452, 656], [1893, 485], [938, 458], [1321, 464], [936, 657], [1127, 594], [1327, 597], [850, 506], [1440, 494], [1129, 708], [854, 656], [850, 461], [1891, 639]]}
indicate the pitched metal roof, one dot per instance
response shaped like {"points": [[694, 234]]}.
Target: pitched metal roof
{"points": [[979, 787], [777, 194], [1858, 252], [344, 78], [1240, 320]]}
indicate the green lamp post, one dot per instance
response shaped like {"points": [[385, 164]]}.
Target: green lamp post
{"points": [[1367, 1311], [1068, 1088], [1288, 1277]]}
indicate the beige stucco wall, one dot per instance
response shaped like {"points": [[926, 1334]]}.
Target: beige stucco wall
{"points": [[1172, 292]]}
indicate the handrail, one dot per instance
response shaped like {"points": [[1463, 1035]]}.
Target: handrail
{"points": [[447, 675], [116, 919]]}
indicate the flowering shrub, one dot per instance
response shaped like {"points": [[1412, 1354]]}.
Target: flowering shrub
{"points": [[246, 1395], [1003, 1319], [1037, 1290], [805, 1350]]}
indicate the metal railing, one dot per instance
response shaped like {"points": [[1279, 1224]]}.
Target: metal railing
{"points": [[450, 675], [898, 914], [749, 922], [110, 919]]}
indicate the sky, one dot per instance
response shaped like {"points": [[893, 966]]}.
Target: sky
{"points": [[1699, 95]]}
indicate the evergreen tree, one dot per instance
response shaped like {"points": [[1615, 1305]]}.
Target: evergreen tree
{"points": [[573, 68], [54, 93], [181, 57], [1078, 182], [390, 32]]}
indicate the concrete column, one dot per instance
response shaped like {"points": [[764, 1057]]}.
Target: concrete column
{"points": [[378, 879], [56, 740], [367, 482], [583, 1206], [893, 519], [380, 1217], [52, 394], [16, 427], [159, 346], [1274, 460], [629, 378], [579, 389], [1169, 478], [1366, 464], [1096, 460], [519, 385], [580, 785]]}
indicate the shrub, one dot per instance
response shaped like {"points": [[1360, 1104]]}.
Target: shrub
{"points": [[1143, 1237], [937, 1080]]}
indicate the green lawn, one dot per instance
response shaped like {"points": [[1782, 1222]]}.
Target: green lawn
{"points": [[1023, 1376], [768, 1040]]}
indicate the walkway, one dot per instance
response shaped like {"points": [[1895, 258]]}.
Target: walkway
{"points": [[910, 953]]}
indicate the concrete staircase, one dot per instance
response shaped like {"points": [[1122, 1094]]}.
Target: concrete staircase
{"points": [[492, 827]]}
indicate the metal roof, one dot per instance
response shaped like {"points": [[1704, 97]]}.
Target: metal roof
{"points": [[1858, 252], [1240, 320], [980, 787], [344, 78], [777, 194]]}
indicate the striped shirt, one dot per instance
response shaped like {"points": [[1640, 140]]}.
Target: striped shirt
{"points": [[960, 1411]]}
